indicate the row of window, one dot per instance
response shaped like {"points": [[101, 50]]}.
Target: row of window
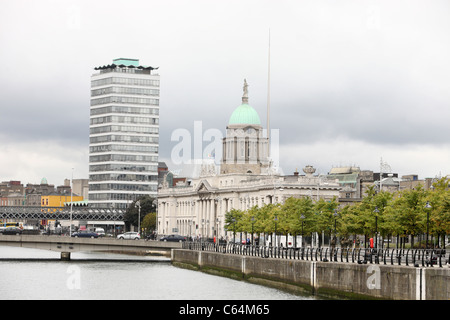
{"points": [[114, 196], [123, 187], [126, 70], [125, 81], [122, 167], [131, 100], [122, 158], [247, 148], [124, 109], [122, 206], [125, 129], [119, 138], [125, 90], [124, 119], [123, 148], [122, 177]]}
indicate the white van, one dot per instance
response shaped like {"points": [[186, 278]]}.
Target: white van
{"points": [[100, 231]]}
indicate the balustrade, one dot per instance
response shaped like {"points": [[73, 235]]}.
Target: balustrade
{"points": [[409, 257]]}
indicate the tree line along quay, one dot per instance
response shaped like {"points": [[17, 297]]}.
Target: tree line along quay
{"points": [[418, 216]]}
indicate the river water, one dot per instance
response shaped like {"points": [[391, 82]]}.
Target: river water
{"points": [[39, 274]]}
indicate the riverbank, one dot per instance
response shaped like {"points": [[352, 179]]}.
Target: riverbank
{"points": [[324, 279]]}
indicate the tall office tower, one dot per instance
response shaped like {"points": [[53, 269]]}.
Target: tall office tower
{"points": [[124, 133]]}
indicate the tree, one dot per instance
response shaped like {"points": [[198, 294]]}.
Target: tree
{"points": [[234, 221], [149, 222], [439, 213], [350, 223], [411, 214], [298, 216], [132, 213], [324, 219]]}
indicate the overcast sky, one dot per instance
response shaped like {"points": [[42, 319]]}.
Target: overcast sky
{"points": [[351, 81]]}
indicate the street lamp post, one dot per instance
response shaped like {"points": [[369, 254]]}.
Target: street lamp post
{"points": [[155, 204], [303, 221], [71, 204], [217, 230], [114, 221], [275, 219], [427, 206], [234, 230], [335, 234], [253, 222], [376, 211], [138, 205]]}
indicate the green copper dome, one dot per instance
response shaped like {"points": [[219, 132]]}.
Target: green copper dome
{"points": [[244, 114]]}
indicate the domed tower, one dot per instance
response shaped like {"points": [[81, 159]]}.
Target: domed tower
{"points": [[244, 148]]}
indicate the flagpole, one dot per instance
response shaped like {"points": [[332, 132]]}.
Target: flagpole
{"points": [[71, 204], [268, 102]]}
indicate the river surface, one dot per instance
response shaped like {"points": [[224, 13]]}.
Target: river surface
{"points": [[39, 274]]}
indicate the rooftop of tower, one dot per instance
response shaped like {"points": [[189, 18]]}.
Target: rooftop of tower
{"points": [[125, 62]]}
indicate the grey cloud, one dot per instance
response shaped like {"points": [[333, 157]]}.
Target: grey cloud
{"points": [[372, 72]]}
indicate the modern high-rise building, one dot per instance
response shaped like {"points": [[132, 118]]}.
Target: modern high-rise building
{"points": [[124, 133]]}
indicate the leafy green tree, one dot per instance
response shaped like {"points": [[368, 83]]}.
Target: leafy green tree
{"points": [[264, 218], [350, 224], [299, 215], [149, 222], [411, 213], [390, 214], [234, 221], [132, 213], [324, 218], [439, 213]]}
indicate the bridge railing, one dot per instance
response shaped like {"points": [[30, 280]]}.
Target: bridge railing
{"points": [[405, 257]]}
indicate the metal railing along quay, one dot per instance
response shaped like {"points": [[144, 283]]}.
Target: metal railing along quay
{"points": [[405, 257]]}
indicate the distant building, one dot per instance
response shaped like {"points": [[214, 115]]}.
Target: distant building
{"points": [[124, 133], [59, 200], [166, 177], [80, 187], [412, 181], [13, 193], [350, 181]]}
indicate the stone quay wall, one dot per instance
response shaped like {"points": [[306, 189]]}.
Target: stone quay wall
{"points": [[325, 279]]}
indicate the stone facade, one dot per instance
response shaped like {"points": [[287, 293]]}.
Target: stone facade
{"points": [[244, 150], [199, 208]]}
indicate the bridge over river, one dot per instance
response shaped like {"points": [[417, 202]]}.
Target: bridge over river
{"points": [[66, 245]]}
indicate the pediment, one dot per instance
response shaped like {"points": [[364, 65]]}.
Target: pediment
{"points": [[204, 187]]}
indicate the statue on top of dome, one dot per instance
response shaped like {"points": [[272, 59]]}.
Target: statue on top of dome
{"points": [[245, 96]]}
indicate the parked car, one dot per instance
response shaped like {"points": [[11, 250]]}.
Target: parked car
{"points": [[100, 232], [12, 230], [129, 235], [85, 234], [173, 237]]}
